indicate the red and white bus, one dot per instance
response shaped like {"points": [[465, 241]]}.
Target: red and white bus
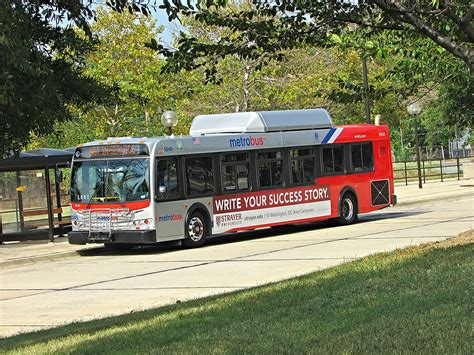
{"points": [[234, 172]]}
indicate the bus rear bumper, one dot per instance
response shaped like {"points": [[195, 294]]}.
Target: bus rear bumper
{"points": [[119, 237]]}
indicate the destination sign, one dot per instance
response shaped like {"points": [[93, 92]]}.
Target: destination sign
{"points": [[111, 150]]}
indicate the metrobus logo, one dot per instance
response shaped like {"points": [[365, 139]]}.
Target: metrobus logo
{"points": [[170, 217], [246, 141]]}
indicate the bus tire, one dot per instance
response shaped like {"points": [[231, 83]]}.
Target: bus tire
{"points": [[347, 210], [195, 230]]}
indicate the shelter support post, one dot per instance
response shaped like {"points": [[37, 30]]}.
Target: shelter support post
{"points": [[50, 206], [57, 182], [20, 202]]}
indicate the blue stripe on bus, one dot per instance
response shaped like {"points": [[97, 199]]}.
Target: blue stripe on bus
{"points": [[328, 135]]}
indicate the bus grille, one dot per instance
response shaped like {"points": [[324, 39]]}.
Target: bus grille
{"points": [[107, 220]]}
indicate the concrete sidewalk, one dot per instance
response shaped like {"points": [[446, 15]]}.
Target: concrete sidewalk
{"points": [[17, 254], [433, 191], [24, 253]]}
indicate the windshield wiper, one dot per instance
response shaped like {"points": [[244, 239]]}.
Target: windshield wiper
{"points": [[91, 198]]}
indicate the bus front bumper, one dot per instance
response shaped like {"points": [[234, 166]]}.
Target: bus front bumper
{"points": [[119, 237]]}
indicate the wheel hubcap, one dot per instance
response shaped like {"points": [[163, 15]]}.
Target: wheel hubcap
{"points": [[347, 209], [195, 229]]}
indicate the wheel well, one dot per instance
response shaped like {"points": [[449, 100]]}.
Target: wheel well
{"points": [[199, 207], [348, 190]]}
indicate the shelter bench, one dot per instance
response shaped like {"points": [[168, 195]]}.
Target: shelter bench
{"points": [[63, 226], [40, 212]]}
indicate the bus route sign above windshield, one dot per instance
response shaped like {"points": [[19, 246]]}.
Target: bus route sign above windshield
{"points": [[111, 150]]}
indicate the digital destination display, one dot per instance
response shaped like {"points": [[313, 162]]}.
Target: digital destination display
{"points": [[111, 150]]}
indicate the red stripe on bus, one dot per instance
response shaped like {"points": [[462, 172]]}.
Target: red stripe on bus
{"points": [[135, 205]]}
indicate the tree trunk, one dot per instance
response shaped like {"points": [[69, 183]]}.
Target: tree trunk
{"points": [[246, 87], [147, 116]]}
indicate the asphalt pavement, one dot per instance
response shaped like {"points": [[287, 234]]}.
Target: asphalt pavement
{"points": [[47, 284]]}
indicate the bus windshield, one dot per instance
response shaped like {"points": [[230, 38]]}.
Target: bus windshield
{"points": [[114, 180]]}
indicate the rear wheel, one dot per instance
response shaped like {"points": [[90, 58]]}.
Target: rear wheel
{"points": [[196, 230], [347, 210]]}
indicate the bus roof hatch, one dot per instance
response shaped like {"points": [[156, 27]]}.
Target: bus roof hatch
{"points": [[259, 122]]}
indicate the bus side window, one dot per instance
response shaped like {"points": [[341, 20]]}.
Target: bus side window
{"points": [[167, 178], [302, 166], [361, 157], [333, 160], [199, 176], [235, 172], [270, 169]]}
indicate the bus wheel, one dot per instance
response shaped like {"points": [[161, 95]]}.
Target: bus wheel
{"points": [[196, 230], [348, 210]]}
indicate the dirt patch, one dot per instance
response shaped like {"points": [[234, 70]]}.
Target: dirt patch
{"points": [[461, 239]]}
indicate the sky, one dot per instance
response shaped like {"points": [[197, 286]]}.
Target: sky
{"points": [[162, 19]]}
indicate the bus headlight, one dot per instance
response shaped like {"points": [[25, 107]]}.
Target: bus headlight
{"points": [[143, 223]]}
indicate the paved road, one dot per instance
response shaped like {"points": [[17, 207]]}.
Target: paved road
{"points": [[46, 294]]}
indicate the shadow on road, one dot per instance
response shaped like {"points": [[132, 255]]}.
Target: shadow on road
{"points": [[168, 247]]}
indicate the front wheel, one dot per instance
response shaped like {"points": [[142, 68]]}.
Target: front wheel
{"points": [[196, 230], [347, 210]]}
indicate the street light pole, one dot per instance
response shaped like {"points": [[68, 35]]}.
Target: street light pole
{"points": [[417, 142], [414, 109], [366, 87], [169, 120]]}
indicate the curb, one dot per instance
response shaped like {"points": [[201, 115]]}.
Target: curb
{"points": [[49, 257], [435, 199]]}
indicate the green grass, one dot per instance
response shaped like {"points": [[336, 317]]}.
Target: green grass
{"points": [[418, 299]]}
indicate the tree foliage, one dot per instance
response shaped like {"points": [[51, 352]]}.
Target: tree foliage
{"points": [[420, 47], [122, 60], [270, 26], [41, 59], [269, 65]]}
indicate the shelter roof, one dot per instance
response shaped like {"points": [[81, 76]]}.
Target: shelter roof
{"points": [[37, 159]]}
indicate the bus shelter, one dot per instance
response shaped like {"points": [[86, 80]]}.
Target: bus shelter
{"points": [[34, 199]]}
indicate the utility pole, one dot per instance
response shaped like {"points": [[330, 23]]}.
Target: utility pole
{"points": [[366, 87]]}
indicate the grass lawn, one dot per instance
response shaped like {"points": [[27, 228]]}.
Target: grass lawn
{"points": [[418, 299]]}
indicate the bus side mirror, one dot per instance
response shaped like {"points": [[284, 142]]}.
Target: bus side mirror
{"points": [[161, 193]]}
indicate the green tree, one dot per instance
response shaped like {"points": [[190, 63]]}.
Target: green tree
{"points": [[121, 60], [407, 61], [270, 26], [305, 78], [41, 58]]}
